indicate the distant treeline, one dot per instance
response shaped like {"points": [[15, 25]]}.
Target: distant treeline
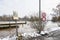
{"points": [[56, 19], [6, 18], [10, 18]]}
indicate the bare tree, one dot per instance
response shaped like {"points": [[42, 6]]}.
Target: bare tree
{"points": [[35, 22], [57, 15]]}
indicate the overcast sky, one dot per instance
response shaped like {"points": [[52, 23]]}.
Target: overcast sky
{"points": [[22, 7], [47, 5], [26, 7]]}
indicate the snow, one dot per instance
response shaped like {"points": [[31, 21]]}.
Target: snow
{"points": [[52, 29], [26, 35], [42, 32], [31, 34], [8, 38], [26, 30], [50, 26]]}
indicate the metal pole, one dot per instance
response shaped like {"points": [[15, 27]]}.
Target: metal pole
{"points": [[40, 22], [16, 30]]}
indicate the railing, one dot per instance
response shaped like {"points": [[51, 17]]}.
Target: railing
{"points": [[11, 22]]}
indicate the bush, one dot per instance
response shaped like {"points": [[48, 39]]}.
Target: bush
{"points": [[54, 19], [58, 19]]}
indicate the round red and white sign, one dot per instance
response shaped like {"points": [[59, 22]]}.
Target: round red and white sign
{"points": [[43, 16]]}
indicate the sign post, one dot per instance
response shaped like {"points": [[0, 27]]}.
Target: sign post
{"points": [[15, 17], [43, 19]]}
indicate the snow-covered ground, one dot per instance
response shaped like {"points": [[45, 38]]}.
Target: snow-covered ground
{"points": [[50, 25], [26, 30], [51, 28]]}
